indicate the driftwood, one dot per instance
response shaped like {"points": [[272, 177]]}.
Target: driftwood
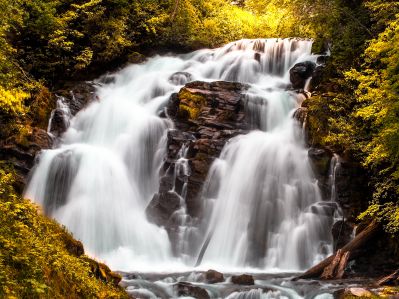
{"points": [[392, 279], [342, 265], [334, 265]]}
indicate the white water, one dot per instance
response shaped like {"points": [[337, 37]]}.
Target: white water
{"points": [[104, 171]]}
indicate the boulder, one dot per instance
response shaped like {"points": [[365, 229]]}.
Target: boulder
{"points": [[243, 279], [301, 72], [213, 276], [187, 289], [162, 207]]}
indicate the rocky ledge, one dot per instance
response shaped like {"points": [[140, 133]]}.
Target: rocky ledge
{"points": [[206, 116]]}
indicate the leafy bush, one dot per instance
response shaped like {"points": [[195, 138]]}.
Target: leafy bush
{"points": [[37, 259]]}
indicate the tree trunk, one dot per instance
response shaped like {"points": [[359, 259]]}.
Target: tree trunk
{"points": [[348, 250]]}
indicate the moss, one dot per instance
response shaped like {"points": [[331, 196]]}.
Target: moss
{"points": [[190, 104], [40, 259]]}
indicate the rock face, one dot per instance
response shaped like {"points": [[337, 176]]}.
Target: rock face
{"points": [[300, 73], [73, 97], [206, 116], [79, 94], [21, 150], [342, 232]]}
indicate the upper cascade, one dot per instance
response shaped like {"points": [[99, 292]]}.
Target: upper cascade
{"points": [[105, 168]]}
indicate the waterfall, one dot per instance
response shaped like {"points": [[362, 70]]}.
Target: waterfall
{"points": [[268, 211], [104, 170]]}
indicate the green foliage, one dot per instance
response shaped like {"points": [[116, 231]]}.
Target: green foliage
{"points": [[35, 254], [361, 116]]}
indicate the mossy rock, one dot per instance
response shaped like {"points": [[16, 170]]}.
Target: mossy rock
{"points": [[190, 105]]}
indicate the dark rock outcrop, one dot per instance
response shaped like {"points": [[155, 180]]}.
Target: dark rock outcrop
{"points": [[300, 73], [351, 188], [342, 232], [320, 159], [162, 207], [21, 150], [206, 116], [78, 94], [243, 279]]}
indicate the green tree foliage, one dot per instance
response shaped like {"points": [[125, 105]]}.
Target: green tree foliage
{"points": [[362, 116]]}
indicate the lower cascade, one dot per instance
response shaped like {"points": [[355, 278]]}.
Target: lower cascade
{"points": [[261, 207]]}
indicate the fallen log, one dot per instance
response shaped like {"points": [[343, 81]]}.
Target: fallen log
{"points": [[349, 250], [342, 265], [392, 279], [329, 271]]}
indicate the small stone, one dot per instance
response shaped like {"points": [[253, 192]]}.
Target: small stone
{"points": [[187, 289], [359, 292], [213, 276]]}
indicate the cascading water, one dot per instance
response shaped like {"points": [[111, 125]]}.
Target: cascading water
{"points": [[264, 212], [267, 211]]}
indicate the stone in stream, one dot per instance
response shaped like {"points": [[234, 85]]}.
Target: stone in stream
{"points": [[213, 276], [243, 279], [187, 289], [301, 72]]}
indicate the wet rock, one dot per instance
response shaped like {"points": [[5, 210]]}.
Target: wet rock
{"points": [[300, 115], [162, 207], [180, 78], [301, 72], [206, 116], [243, 279], [20, 150], [79, 94], [342, 232], [320, 160], [213, 276], [352, 188], [187, 289], [58, 123]]}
